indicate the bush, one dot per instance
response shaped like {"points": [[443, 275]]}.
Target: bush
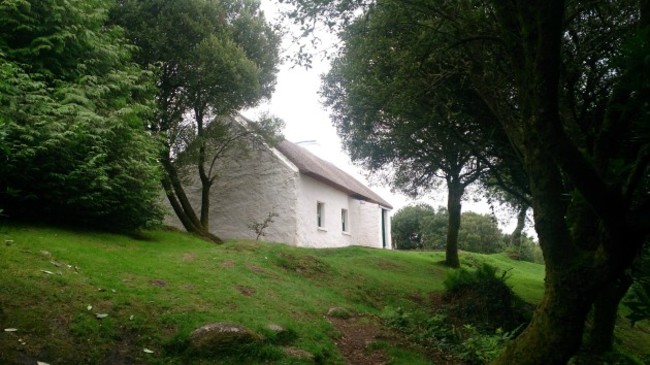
{"points": [[406, 226], [73, 109], [528, 251], [481, 297], [68, 165], [439, 331]]}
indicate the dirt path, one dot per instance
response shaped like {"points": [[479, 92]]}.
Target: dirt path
{"points": [[357, 334]]}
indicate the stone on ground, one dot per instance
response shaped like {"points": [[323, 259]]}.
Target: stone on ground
{"points": [[221, 336]]}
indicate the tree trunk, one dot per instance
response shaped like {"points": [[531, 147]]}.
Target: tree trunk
{"points": [[200, 164], [181, 204], [176, 206], [521, 223], [205, 204], [605, 313], [555, 332], [455, 193]]}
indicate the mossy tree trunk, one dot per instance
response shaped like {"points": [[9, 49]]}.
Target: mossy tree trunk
{"points": [[580, 256], [555, 332], [605, 314]]}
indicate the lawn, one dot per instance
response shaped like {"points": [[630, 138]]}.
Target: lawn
{"points": [[153, 290]]}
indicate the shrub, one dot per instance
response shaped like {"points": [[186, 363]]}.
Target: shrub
{"points": [[73, 110], [528, 251], [481, 297], [466, 342], [479, 348]]}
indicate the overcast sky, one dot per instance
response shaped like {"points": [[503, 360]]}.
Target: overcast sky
{"points": [[296, 101]]}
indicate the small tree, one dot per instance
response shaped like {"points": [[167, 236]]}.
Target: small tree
{"points": [[480, 233], [406, 226], [260, 227]]}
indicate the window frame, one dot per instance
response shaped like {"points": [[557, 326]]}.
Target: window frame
{"points": [[345, 220], [320, 214]]}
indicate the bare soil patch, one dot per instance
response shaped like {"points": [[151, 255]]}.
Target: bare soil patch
{"points": [[159, 283], [357, 334], [245, 290], [189, 256], [227, 264]]}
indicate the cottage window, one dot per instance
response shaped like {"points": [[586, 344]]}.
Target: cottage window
{"points": [[320, 214], [344, 220]]}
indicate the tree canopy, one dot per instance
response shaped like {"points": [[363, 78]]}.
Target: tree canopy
{"points": [[211, 58], [73, 111], [405, 226], [397, 109], [421, 227]]}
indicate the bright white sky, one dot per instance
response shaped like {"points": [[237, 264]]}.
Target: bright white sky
{"points": [[296, 101]]}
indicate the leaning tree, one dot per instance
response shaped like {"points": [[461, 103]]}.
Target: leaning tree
{"points": [[211, 58]]}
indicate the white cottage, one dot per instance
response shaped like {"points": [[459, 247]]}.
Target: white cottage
{"points": [[318, 204]]}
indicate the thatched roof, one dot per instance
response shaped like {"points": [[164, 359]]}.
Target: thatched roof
{"points": [[319, 169]]}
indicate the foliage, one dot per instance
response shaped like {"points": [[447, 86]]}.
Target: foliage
{"points": [[438, 332], [638, 298], [481, 296], [528, 250], [434, 230], [211, 58], [483, 348], [75, 148], [260, 227], [406, 226], [480, 233], [419, 227]]}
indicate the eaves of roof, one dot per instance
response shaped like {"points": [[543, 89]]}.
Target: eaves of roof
{"points": [[327, 173]]}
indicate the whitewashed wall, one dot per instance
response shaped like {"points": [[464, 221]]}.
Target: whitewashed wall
{"points": [[266, 181], [247, 191], [364, 218], [369, 217], [311, 191]]}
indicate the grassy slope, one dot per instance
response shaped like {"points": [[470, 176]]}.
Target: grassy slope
{"points": [[157, 289]]}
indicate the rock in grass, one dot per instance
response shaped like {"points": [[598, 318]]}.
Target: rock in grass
{"points": [[298, 353], [220, 337], [280, 335], [275, 327], [339, 312]]}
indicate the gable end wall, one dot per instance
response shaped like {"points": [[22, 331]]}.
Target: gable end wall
{"points": [[245, 192]]}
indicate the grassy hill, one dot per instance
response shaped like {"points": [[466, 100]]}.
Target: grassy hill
{"points": [[154, 290]]}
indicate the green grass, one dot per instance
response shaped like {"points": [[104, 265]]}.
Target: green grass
{"points": [[159, 287]]}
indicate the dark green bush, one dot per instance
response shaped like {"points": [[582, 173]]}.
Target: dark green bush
{"points": [[73, 143], [481, 297], [439, 331], [528, 251]]}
